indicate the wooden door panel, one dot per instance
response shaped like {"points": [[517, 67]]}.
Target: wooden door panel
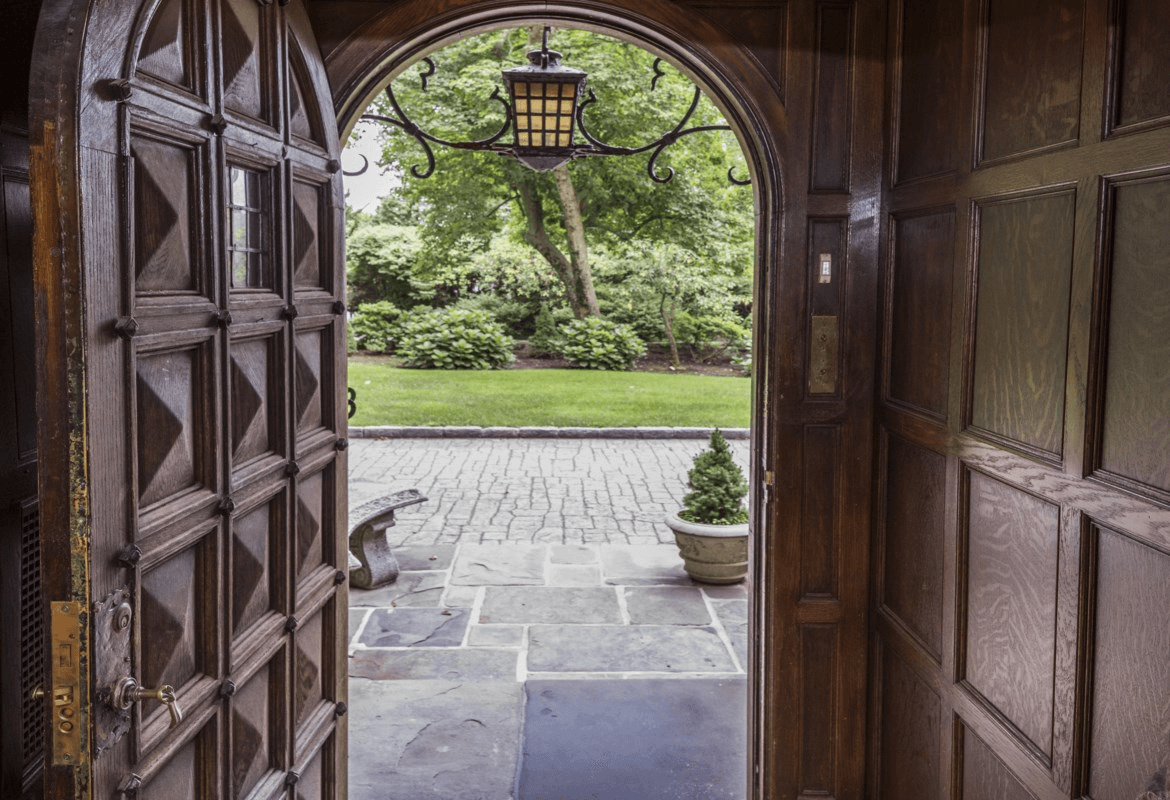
{"points": [[1032, 86], [1131, 674], [1135, 425], [1141, 57], [219, 481], [1010, 605], [244, 30], [1025, 496]]}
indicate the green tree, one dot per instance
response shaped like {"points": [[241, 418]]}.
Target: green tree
{"points": [[563, 215]]}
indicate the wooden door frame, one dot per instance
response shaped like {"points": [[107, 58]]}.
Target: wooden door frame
{"points": [[362, 66]]}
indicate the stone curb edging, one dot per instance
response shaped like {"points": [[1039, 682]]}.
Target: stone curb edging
{"points": [[476, 432]]}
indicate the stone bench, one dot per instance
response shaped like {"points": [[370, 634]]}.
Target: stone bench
{"points": [[367, 539]]}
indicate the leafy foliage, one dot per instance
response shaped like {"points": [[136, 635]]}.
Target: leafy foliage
{"points": [[375, 326], [711, 338], [461, 210], [718, 487], [595, 343], [453, 339], [545, 339], [381, 263]]}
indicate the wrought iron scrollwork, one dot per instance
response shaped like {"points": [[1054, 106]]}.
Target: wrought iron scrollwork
{"points": [[594, 146]]}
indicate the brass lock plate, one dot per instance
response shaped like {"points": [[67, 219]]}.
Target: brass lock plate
{"points": [[65, 709]]}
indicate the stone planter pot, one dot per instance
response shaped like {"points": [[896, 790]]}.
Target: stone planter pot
{"points": [[711, 553]]}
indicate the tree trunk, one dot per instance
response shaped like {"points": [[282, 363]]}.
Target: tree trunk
{"points": [[668, 324], [537, 236], [578, 250]]}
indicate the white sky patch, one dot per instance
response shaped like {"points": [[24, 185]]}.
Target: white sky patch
{"points": [[364, 192]]}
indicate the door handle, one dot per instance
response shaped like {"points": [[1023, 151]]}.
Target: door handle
{"points": [[127, 692]]}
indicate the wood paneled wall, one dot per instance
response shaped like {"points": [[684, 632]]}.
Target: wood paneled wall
{"points": [[21, 656], [1022, 506]]}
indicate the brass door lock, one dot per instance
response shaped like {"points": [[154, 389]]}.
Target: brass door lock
{"points": [[127, 692]]}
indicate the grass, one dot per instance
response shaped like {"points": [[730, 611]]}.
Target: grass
{"points": [[546, 397]]}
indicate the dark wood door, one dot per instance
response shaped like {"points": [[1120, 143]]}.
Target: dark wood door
{"points": [[1023, 525], [190, 278]]}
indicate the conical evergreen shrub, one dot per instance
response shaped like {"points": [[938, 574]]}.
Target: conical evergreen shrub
{"points": [[718, 487]]}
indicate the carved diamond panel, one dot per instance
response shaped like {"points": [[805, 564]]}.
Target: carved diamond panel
{"points": [[252, 552], [309, 786], [308, 371], [241, 38], [164, 254], [303, 118], [306, 248], [168, 390], [170, 620], [307, 667], [310, 522], [251, 380], [179, 779], [251, 754], [164, 52]]}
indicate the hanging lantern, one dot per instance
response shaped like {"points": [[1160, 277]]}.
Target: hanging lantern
{"points": [[544, 98]]}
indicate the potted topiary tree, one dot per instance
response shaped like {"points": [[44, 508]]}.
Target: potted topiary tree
{"points": [[711, 530]]}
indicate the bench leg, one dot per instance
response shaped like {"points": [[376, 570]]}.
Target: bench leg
{"points": [[378, 564]]}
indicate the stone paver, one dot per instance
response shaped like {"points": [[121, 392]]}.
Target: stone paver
{"points": [[623, 648], [403, 737], [635, 740], [489, 565], [411, 589], [415, 627], [666, 605], [534, 490], [443, 663], [533, 560], [550, 604]]}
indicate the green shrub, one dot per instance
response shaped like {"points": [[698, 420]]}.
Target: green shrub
{"points": [[710, 338], [517, 317], [375, 326], [456, 338], [718, 487], [595, 343], [546, 336]]}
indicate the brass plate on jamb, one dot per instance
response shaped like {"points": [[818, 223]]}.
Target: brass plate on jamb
{"points": [[822, 364], [67, 717]]}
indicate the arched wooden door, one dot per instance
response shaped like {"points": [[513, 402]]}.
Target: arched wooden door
{"points": [[189, 280]]}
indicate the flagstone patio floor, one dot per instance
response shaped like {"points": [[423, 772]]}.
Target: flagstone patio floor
{"points": [[573, 660]]}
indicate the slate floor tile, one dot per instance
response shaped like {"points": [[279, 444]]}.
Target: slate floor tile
{"points": [[666, 605], [550, 604], [420, 557], [439, 663], [403, 735], [626, 648], [409, 589], [415, 627], [733, 615], [656, 739], [499, 565], [643, 565]]}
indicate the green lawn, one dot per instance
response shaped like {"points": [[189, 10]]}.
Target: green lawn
{"points": [[549, 397]]}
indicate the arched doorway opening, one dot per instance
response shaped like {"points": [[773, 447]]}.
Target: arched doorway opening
{"points": [[399, 711], [361, 66]]}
